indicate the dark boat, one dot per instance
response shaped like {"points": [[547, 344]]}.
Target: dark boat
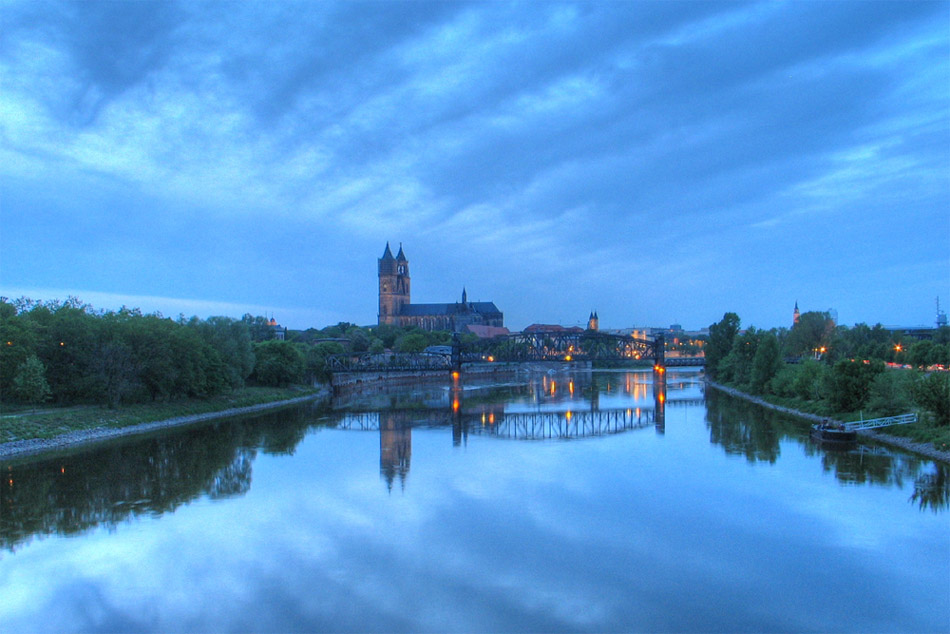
{"points": [[833, 432]]}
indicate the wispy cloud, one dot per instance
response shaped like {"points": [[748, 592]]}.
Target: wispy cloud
{"points": [[561, 136]]}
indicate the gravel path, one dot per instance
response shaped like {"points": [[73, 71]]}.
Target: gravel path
{"points": [[21, 448], [924, 449]]}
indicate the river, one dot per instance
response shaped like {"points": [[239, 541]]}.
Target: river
{"points": [[553, 502]]}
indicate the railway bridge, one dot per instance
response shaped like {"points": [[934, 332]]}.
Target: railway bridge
{"points": [[524, 347]]}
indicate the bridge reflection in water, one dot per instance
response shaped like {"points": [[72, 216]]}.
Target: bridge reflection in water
{"points": [[493, 420]]}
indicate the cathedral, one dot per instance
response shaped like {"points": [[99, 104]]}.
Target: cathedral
{"points": [[395, 307]]}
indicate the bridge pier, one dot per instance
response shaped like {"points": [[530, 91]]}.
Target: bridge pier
{"points": [[659, 351], [456, 356], [659, 398]]}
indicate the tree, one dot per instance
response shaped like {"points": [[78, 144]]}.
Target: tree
{"points": [[891, 392], [232, 340], [721, 336], [812, 333], [30, 381], [851, 383], [359, 340], [278, 363], [920, 352], [766, 364], [737, 366], [115, 368], [808, 382], [413, 342], [258, 327], [316, 360], [933, 393]]}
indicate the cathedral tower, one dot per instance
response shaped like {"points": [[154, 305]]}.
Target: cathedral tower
{"points": [[393, 285], [593, 322], [795, 315]]}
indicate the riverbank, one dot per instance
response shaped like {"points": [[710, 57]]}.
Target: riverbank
{"points": [[904, 443], [80, 437]]}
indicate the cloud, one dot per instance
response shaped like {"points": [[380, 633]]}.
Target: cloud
{"points": [[329, 128]]}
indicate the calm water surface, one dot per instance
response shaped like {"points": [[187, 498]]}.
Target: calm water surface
{"points": [[562, 502]]}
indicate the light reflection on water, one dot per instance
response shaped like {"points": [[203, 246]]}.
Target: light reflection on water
{"points": [[567, 502]]}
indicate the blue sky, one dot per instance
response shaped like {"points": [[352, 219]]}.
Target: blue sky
{"points": [[658, 162]]}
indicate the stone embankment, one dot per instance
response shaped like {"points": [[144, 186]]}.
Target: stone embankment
{"points": [[907, 444], [69, 440]]}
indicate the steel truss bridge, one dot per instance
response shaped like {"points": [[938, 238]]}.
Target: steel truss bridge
{"points": [[517, 426], [541, 425], [534, 346]]}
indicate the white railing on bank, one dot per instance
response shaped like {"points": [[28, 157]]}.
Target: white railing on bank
{"points": [[887, 421]]}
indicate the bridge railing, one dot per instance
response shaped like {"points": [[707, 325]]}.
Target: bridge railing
{"points": [[395, 362], [887, 421]]}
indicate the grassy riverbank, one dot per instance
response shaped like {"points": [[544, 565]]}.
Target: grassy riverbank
{"points": [[922, 431], [931, 440], [25, 424]]}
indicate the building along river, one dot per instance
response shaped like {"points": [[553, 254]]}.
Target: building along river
{"points": [[554, 502]]}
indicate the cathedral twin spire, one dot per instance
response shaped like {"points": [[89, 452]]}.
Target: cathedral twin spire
{"points": [[396, 307], [388, 254]]}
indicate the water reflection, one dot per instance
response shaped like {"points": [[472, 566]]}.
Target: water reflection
{"points": [[395, 448], [74, 492], [743, 428], [545, 407], [115, 483]]}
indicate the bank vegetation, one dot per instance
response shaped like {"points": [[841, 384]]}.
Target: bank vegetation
{"points": [[839, 372], [65, 366]]}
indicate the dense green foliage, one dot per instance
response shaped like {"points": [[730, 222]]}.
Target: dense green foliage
{"points": [[721, 336], [124, 356], [30, 381], [835, 370], [278, 363], [70, 354]]}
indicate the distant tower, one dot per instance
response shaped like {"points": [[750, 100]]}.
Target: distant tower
{"points": [[393, 285], [941, 316], [796, 315], [593, 322], [464, 297]]}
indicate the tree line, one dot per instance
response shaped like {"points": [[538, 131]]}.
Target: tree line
{"points": [[67, 352], [835, 369]]}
